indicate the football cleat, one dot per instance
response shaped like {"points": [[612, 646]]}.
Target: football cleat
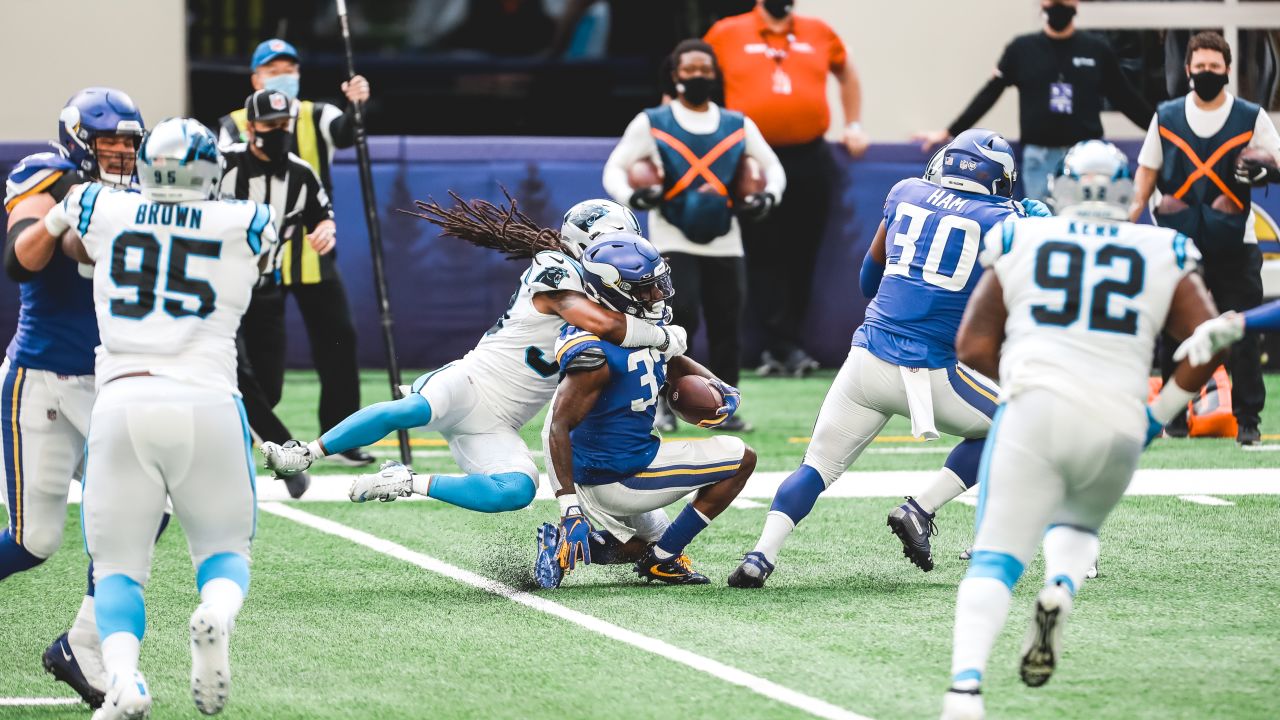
{"points": [[210, 660], [354, 457], [60, 660], [1092, 572], [392, 481], [675, 570], [297, 485], [753, 571], [963, 705], [547, 570], [967, 554], [127, 699], [1043, 646], [288, 459], [913, 526]]}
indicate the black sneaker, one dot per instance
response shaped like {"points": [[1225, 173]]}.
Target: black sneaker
{"points": [[675, 570], [664, 420], [799, 364], [753, 572], [1177, 427], [1248, 435], [355, 457], [913, 526], [734, 424], [60, 661], [770, 366], [297, 484]]}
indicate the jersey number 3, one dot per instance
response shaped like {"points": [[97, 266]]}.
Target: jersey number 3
{"points": [[140, 270], [931, 267]]}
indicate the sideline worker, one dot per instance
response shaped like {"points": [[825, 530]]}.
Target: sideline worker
{"points": [[1192, 157]]}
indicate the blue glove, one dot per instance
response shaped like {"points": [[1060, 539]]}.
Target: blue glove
{"points": [[546, 568], [575, 539], [1154, 428], [732, 398], [1035, 208]]}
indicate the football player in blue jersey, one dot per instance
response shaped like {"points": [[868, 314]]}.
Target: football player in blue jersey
{"points": [[919, 273], [609, 468], [48, 386]]}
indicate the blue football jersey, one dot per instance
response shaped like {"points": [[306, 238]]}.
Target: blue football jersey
{"points": [[933, 239], [616, 439]]}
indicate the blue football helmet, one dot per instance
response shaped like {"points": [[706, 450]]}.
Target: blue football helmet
{"points": [[1093, 182], [933, 171], [979, 161], [179, 161], [625, 272], [98, 112]]}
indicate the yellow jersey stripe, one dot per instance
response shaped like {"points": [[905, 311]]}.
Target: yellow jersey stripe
{"points": [[44, 184], [17, 456], [971, 383], [686, 471], [572, 343]]}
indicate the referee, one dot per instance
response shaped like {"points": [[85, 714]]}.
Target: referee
{"points": [[1062, 75]]}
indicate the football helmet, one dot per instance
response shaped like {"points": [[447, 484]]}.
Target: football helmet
{"points": [[179, 161], [933, 171], [979, 161], [1093, 182], [589, 219], [625, 272], [98, 112]]}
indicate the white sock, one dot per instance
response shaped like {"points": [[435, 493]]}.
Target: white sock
{"points": [[225, 596], [661, 554], [421, 484], [84, 631], [777, 527], [982, 607], [946, 487], [316, 450], [1068, 552], [120, 654]]}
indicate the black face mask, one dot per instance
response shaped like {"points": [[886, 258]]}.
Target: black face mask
{"points": [[696, 90], [275, 145], [779, 9], [1059, 16], [1208, 84]]}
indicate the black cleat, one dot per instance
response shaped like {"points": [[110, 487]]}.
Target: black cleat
{"points": [[1248, 434], [355, 457], [753, 572], [967, 554], [675, 570], [297, 484], [800, 364], [60, 661], [771, 366], [913, 526], [733, 424], [1177, 427], [1043, 644]]}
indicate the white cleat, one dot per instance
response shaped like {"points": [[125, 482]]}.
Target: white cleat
{"points": [[1043, 646], [392, 481], [210, 660], [963, 705], [127, 699], [288, 459]]}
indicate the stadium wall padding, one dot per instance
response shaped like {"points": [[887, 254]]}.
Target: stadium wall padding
{"points": [[445, 293]]}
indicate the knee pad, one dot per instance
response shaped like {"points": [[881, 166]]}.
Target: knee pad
{"points": [[998, 565]]}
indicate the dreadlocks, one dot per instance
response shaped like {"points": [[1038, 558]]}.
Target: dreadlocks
{"points": [[483, 224]]}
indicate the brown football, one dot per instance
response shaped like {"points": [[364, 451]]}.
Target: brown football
{"points": [[1170, 205], [1257, 155], [748, 179], [643, 174], [1226, 206], [694, 399]]}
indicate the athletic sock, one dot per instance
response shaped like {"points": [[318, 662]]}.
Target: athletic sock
{"points": [[84, 631], [421, 484], [945, 488], [792, 503], [120, 652], [681, 532], [225, 596], [777, 527], [500, 492], [1068, 554], [370, 424], [316, 449], [958, 473], [982, 607]]}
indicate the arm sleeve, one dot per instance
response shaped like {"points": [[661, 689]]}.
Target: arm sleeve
{"points": [[1152, 155], [337, 126], [636, 144], [870, 276], [774, 175], [12, 267], [1121, 93], [1265, 317], [1265, 136]]}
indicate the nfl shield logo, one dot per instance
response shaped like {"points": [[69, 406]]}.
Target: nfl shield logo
{"points": [[51, 414], [278, 101], [276, 45]]}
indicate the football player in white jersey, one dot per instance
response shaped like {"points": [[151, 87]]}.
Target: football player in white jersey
{"points": [[173, 271], [1071, 309], [479, 403]]}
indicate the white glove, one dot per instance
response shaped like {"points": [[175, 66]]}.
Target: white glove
{"points": [[56, 221], [677, 341], [1210, 337]]}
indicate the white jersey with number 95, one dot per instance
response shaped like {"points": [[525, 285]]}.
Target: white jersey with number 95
{"points": [[170, 281]]}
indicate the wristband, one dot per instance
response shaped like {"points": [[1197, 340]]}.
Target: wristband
{"points": [[1171, 400], [567, 502], [55, 221]]}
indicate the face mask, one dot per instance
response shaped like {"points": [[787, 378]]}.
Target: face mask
{"points": [[1208, 84], [1059, 16], [275, 145], [287, 84], [696, 90], [779, 9]]}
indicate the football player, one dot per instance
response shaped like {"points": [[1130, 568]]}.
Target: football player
{"points": [[479, 403], [1226, 330], [609, 468], [48, 369], [1071, 308], [919, 272], [173, 270]]}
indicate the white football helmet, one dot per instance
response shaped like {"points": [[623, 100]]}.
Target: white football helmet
{"points": [[1094, 182], [589, 219], [179, 161]]}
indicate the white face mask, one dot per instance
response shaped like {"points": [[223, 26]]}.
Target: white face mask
{"points": [[287, 84]]}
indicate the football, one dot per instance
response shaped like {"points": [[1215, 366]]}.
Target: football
{"points": [[1256, 155], [748, 179], [694, 399], [643, 174], [1170, 205]]}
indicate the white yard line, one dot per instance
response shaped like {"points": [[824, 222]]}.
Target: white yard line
{"points": [[1205, 500], [745, 504], [1260, 448], [756, 684], [36, 701]]}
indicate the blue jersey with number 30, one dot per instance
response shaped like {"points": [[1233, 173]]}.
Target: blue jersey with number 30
{"points": [[616, 439], [933, 237]]}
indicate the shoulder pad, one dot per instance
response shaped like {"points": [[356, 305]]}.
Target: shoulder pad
{"points": [[573, 340], [34, 174], [589, 358], [552, 271]]}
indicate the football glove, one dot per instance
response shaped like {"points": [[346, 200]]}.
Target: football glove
{"points": [[756, 206], [646, 198], [574, 545], [1035, 208], [1251, 172], [1210, 337], [677, 342], [546, 568], [732, 398]]}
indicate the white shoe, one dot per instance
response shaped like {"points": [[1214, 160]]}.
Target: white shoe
{"points": [[210, 660], [288, 459], [961, 705], [392, 481], [1041, 649], [127, 699]]}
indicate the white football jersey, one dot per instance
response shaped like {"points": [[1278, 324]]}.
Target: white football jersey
{"points": [[514, 364], [170, 281], [1086, 301]]}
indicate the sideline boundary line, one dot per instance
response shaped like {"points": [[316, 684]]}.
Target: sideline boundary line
{"points": [[714, 668]]}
